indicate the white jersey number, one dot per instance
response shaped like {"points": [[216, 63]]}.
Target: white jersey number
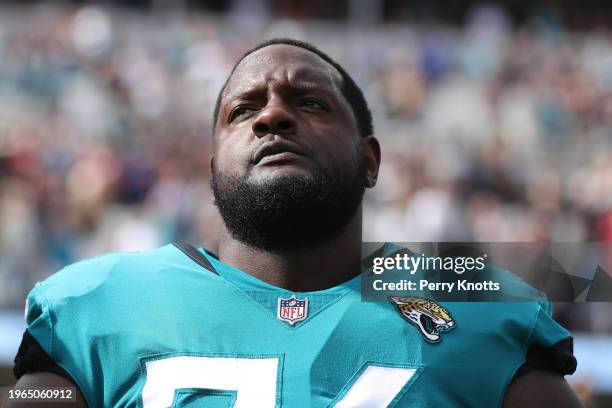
{"points": [[255, 381]]}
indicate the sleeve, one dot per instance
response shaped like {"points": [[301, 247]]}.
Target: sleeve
{"points": [[550, 346], [59, 314], [40, 320], [36, 352], [54, 306]]}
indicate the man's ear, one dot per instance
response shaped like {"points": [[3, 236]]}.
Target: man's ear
{"points": [[211, 166], [371, 151]]}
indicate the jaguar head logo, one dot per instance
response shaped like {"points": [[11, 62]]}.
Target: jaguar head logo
{"points": [[430, 318]]}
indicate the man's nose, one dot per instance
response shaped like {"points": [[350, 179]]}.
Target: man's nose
{"points": [[275, 119]]}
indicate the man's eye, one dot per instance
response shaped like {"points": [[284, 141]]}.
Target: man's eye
{"points": [[311, 103], [239, 111]]}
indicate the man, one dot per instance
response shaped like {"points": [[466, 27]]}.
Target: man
{"points": [[276, 318]]}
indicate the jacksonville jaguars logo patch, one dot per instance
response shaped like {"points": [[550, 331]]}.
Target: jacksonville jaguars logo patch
{"points": [[292, 310], [427, 316]]}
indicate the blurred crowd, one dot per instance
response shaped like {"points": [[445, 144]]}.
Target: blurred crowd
{"points": [[489, 132]]}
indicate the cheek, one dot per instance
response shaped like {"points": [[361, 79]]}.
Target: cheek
{"points": [[333, 143], [342, 150], [231, 158]]}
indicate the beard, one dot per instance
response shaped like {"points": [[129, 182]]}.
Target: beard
{"points": [[290, 212]]}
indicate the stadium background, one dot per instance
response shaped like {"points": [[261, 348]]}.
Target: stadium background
{"points": [[495, 122]]}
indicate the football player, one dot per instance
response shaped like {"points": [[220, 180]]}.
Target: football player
{"points": [[275, 318]]}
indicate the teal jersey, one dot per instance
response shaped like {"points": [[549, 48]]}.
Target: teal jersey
{"points": [[159, 329]]}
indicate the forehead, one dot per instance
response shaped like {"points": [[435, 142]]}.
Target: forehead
{"points": [[283, 64]]}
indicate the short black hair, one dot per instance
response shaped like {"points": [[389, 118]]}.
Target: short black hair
{"points": [[350, 90]]}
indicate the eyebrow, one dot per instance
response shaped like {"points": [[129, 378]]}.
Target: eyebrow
{"points": [[302, 87]]}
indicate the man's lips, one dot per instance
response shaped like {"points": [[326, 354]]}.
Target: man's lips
{"points": [[277, 151], [279, 157]]}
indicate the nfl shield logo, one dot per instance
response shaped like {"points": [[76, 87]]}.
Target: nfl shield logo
{"points": [[292, 310]]}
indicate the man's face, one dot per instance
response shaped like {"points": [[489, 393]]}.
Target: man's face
{"points": [[289, 99], [288, 166]]}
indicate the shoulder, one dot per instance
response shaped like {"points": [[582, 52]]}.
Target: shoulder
{"points": [[512, 287], [108, 279], [90, 274], [112, 299]]}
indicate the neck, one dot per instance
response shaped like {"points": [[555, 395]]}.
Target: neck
{"points": [[302, 270]]}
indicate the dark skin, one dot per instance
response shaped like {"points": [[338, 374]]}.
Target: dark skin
{"points": [[285, 93]]}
